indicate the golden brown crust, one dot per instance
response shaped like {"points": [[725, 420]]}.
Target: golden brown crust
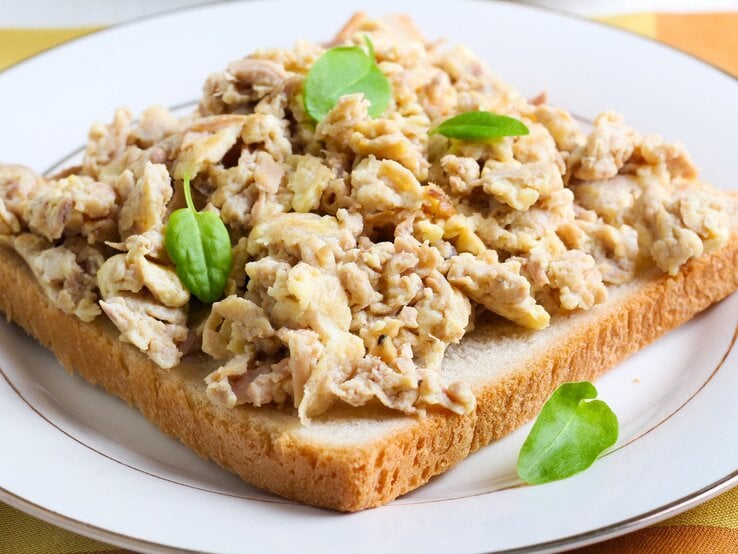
{"points": [[268, 448], [401, 25]]}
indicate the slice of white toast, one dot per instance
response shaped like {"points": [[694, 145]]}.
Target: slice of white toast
{"points": [[352, 459]]}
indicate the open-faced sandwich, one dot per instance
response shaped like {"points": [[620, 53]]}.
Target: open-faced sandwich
{"points": [[356, 263]]}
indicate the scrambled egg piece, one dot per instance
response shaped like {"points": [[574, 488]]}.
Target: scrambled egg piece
{"points": [[73, 205], [146, 301], [146, 205], [65, 272]]}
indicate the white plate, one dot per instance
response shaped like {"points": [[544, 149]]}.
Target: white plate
{"points": [[79, 458]]}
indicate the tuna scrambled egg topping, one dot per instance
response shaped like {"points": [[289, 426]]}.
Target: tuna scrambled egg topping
{"points": [[362, 247]]}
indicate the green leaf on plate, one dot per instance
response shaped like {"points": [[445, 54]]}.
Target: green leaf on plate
{"points": [[571, 431], [345, 70], [200, 247], [480, 126]]}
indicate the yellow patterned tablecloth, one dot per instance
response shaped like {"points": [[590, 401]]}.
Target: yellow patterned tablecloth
{"points": [[711, 527]]}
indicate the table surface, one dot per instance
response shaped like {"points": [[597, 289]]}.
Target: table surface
{"points": [[706, 29]]}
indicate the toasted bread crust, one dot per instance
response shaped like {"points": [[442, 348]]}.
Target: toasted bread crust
{"points": [[264, 445]]}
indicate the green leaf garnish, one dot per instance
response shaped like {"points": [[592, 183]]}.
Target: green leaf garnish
{"points": [[480, 126], [345, 70], [571, 431], [200, 247]]}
